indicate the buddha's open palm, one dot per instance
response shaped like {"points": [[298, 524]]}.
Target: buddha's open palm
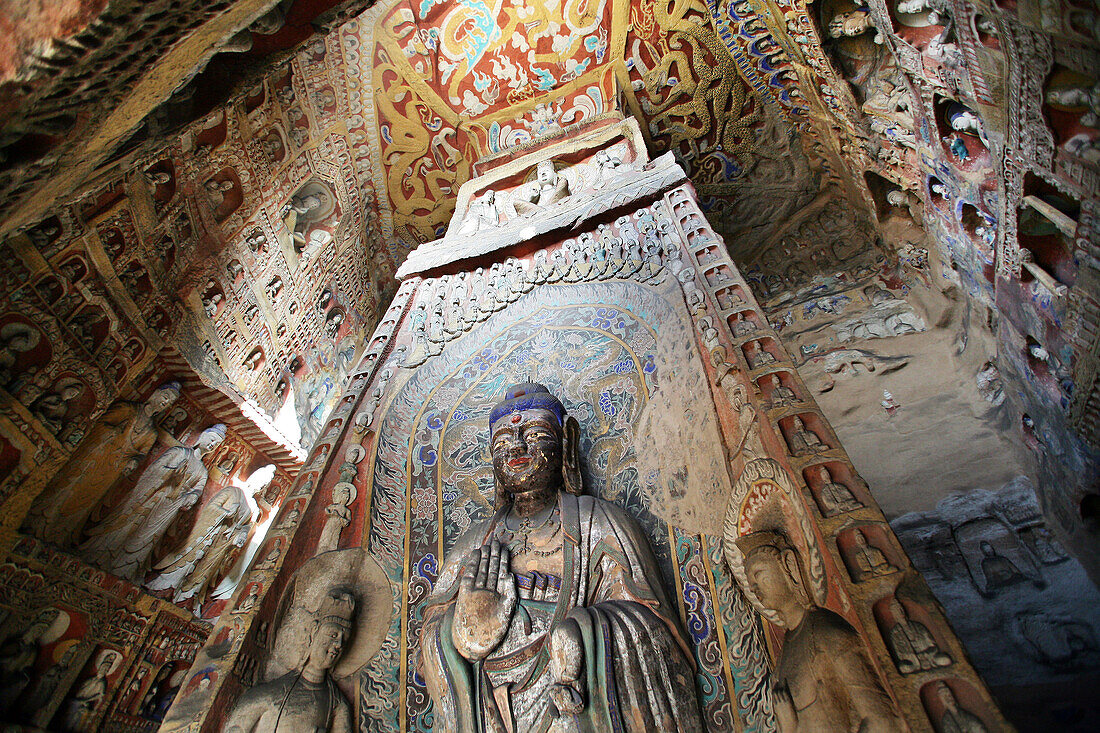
{"points": [[486, 602]]}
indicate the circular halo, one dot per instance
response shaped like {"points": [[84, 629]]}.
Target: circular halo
{"points": [[354, 569]]}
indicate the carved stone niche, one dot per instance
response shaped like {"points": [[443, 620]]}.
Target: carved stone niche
{"points": [[731, 298], [940, 196], [917, 22], [1072, 108], [717, 276], [762, 352], [867, 552], [954, 705], [835, 487], [961, 134], [914, 640], [224, 192], [806, 434], [779, 389], [745, 323], [995, 556], [1046, 227], [706, 255]]}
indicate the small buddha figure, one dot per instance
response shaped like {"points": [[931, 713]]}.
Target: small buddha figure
{"points": [[823, 679], [802, 441], [781, 395], [482, 214], [870, 560], [743, 326], [998, 570], [835, 498], [956, 719], [913, 647], [850, 24], [307, 698], [547, 188], [757, 356]]}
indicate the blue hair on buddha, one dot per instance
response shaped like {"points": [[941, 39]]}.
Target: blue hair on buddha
{"points": [[527, 396]]}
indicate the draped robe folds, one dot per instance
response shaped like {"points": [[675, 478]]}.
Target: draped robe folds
{"points": [[113, 447], [197, 564], [122, 544], [636, 673]]}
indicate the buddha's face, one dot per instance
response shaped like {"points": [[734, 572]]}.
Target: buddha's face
{"points": [[768, 578], [161, 399], [208, 440], [527, 451], [546, 173], [326, 645]]}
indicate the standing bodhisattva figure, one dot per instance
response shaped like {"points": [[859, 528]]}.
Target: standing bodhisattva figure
{"points": [[551, 615]]}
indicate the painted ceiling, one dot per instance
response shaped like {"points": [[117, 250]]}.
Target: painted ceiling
{"points": [[457, 81]]}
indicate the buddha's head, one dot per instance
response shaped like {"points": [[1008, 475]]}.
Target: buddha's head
{"points": [[533, 443], [545, 173], [163, 396], [211, 438], [774, 575]]}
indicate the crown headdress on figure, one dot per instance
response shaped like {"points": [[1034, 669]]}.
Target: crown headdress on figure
{"points": [[337, 607], [527, 396]]}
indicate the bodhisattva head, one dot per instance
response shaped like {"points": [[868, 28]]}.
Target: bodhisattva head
{"points": [[545, 173], [332, 627], [534, 447], [775, 576]]}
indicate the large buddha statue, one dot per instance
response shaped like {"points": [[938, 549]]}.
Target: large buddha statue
{"points": [[551, 615], [113, 447], [823, 678]]}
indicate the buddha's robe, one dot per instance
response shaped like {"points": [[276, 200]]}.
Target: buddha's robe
{"points": [[113, 447], [636, 671]]}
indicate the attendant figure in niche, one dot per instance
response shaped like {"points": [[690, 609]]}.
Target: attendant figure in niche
{"points": [[552, 612], [18, 655], [606, 167], [1079, 96], [15, 339], [823, 679], [80, 709], [757, 356], [112, 448], [803, 441], [835, 498], [870, 560], [964, 120], [781, 395], [482, 214], [122, 544], [998, 570], [36, 704], [221, 529], [956, 719], [306, 699], [912, 645], [51, 409], [958, 148], [743, 326], [547, 188], [216, 191]]}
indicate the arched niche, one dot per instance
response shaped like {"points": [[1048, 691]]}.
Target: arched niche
{"points": [[917, 21], [961, 134], [1069, 99]]}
